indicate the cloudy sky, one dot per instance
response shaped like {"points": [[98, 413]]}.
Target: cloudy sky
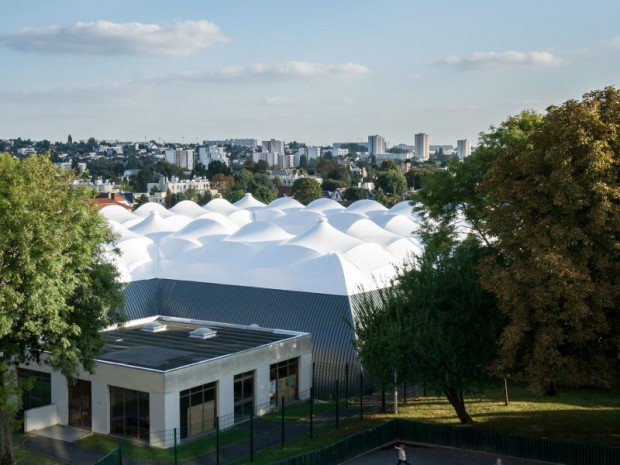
{"points": [[318, 71]]}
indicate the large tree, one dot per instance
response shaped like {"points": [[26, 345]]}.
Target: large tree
{"points": [[305, 190], [435, 324], [555, 213], [58, 288]]}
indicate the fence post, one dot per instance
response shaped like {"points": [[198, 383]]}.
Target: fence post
{"points": [[383, 397], [120, 454], [282, 422], [252, 434], [361, 396], [311, 411], [337, 407], [346, 385], [175, 446], [217, 440]]}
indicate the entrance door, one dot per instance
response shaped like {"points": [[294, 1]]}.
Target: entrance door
{"points": [[80, 404]]}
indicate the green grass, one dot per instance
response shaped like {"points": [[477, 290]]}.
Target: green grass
{"points": [[321, 439], [142, 451], [585, 415], [300, 411]]}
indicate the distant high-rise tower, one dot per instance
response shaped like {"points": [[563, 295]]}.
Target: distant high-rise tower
{"points": [[376, 145], [463, 148], [422, 151]]}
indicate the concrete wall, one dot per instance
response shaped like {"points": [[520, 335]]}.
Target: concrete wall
{"points": [[164, 387], [40, 417], [100, 405]]}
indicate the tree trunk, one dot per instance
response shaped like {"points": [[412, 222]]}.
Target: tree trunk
{"points": [[552, 389], [506, 391], [456, 399], [7, 454]]}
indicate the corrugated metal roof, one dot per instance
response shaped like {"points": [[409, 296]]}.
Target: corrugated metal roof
{"points": [[326, 317]]}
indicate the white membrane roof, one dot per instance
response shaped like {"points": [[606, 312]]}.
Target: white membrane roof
{"points": [[322, 248]]}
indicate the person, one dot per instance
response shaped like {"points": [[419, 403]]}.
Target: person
{"points": [[402, 457], [499, 461]]}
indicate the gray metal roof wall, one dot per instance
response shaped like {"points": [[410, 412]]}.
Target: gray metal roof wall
{"points": [[324, 316]]}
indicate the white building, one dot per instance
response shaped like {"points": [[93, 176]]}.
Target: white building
{"points": [[422, 149], [270, 157], [463, 148], [376, 145], [157, 190], [158, 374], [208, 154], [181, 157], [309, 152], [274, 146]]}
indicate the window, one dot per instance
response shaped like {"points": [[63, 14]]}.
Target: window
{"points": [[129, 413], [244, 395], [198, 410], [283, 381], [37, 388]]}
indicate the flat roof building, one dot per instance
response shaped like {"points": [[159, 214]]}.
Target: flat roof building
{"points": [[158, 374]]}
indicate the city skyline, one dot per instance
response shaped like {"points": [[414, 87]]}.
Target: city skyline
{"points": [[313, 72]]}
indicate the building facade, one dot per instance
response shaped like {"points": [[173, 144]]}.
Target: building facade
{"points": [[159, 374], [376, 145], [422, 149], [463, 148]]}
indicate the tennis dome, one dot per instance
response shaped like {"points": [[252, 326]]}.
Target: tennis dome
{"points": [[279, 265]]}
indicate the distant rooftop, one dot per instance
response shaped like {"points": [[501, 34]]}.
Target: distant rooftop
{"points": [[172, 348]]}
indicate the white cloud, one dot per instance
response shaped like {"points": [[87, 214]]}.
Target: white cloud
{"points": [[289, 69], [108, 38], [499, 60], [277, 101], [615, 42]]}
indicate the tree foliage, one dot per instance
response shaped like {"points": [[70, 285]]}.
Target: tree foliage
{"points": [[58, 289], [435, 324], [391, 182], [555, 213], [305, 190]]}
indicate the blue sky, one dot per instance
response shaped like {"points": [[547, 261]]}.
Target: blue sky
{"points": [[316, 71]]}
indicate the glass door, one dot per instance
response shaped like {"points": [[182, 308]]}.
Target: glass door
{"points": [[80, 404]]}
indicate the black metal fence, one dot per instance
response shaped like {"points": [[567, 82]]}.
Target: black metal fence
{"points": [[546, 450], [113, 458]]}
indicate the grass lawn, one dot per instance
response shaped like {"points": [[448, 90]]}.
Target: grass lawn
{"points": [[142, 451], [585, 415]]}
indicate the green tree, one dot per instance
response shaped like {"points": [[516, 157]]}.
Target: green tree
{"points": [[555, 213], [354, 193], [233, 195], [436, 324], [333, 184], [217, 167], [305, 190], [391, 182], [58, 290], [456, 190], [243, 179], [140, 200]]}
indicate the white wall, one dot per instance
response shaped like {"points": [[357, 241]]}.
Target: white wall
{"points": [[226, 400], [164, 416], [60, 396], [40, 417], [100, 407]]}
